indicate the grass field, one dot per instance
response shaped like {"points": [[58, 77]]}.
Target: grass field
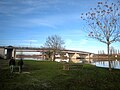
{"points": [[47, 75]]}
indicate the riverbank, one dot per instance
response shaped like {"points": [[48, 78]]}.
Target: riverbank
{"points": [[42, 75]]}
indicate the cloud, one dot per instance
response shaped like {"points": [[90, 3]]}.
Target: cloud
{"points": [[12, 7], [54, 21], [29, 6], [51, 21], [76, 42], [23, 6], [68, 42], [39, 6], [30, 41], [50, 13], [83, 41], [41, 22], [23, 42]]}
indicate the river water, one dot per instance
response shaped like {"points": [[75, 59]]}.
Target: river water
{"points": [[115, 64]]}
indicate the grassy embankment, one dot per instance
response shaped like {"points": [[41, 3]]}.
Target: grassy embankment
{"points": [[42, 75]]}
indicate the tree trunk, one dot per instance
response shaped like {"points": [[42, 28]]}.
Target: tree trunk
{"points": [[54, 52], [109, 56], [54, 57]]}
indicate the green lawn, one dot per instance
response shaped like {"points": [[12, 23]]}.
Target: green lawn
{"points": [[46, 75]]}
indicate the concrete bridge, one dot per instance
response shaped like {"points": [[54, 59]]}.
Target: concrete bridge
{"points": [[71, 55]]}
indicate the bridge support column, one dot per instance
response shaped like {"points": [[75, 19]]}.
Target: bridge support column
{"points": [[14, 53], [11, 52], [4, 54]]}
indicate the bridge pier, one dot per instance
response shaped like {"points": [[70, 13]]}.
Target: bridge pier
{"points": [[11, 52], [2, 52]]}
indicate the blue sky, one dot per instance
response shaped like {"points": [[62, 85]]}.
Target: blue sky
{"points": [[30, 22]]}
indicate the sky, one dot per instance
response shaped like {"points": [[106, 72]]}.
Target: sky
{"points": [[30, 22]]}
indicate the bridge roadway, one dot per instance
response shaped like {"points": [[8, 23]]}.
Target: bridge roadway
{"points": [[35, 49]]}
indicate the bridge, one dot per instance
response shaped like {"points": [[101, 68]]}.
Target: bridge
{"points": [[39, 53]]}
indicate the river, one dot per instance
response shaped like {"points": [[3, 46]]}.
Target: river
{"points": [[114, 64]]}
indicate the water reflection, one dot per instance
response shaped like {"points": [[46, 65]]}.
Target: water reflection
{"points": [[39, 59], [114, 64]]}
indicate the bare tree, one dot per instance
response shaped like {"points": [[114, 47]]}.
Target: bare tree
{"points": [[104, 22], [55, 43]]}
